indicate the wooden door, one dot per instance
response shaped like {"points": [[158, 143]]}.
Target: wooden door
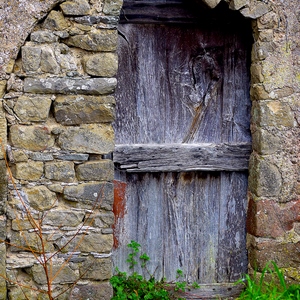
{"points": [[183, 140]]}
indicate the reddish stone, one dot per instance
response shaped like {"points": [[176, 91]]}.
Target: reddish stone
{"points": [[267, 218]]}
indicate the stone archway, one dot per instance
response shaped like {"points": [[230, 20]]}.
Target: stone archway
{"points": [[274, 179]]}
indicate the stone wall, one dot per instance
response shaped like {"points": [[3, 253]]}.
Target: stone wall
{"points": [[274, 181], [57, 69], [57, 96]]}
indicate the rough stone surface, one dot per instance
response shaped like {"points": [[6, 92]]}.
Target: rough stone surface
{"points": [[95, 170], [31, 171], [17, 293], [268, 219], [92, 291], [97, 40], [3, 131], [25, 240], [92, 20], [258, 92], [2, 87], [93, 86], [259, 10], [3, 187], [48, 62], [99, 194], [25, 13], [98, 268], [56, 187], [75, 8], [31, 58], [33, 108], [265, 178], [3, 233], [43, 37], [76, 110], [113, 7], [60, 171], [21, 224], [88, 138], [3, 287], [268, 20], [264, 142], [35, 138], [65, 58], [64, 218], [273, 113], [74, 156], [87, 242], [238, 4], [64, 275], [212, 3], [19, 156], [41, 156], [101, 64], [262, 251], [56, 21], [103, 219], [40, 198]]}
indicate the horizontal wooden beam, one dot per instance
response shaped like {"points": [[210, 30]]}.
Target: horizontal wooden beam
{"points": [[177, 12], [182, 157], [157, 12]]}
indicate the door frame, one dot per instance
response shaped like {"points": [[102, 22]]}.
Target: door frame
{"points": [[122, 149]]}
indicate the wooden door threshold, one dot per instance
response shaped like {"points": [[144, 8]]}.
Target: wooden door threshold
{"points": [[214, 291]]}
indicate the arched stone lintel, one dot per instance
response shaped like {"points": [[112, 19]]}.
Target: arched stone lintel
{"points": [[247, 8], [16, 22]]}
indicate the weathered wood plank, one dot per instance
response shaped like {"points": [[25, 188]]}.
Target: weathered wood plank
{"points": [[232, 255], [182, 157], [156, 12], [182, 84], [173, 12], [178, 220]]}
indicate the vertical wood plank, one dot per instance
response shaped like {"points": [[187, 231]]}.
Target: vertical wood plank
{"points": [[232, 254]]}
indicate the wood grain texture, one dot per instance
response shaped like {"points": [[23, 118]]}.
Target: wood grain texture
{"points": [[174, 11], [182, 157], [181, 84], [193, 221], [156, 12], [182, 103], [214, 291]]}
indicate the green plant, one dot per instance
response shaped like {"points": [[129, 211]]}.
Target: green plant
{"points": [[136, 286], [180, 285], [274, 288]]}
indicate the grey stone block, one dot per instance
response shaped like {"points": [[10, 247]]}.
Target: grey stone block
{"points": [[76, 110], [65, 85], [43, 37], [90, 138]]}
